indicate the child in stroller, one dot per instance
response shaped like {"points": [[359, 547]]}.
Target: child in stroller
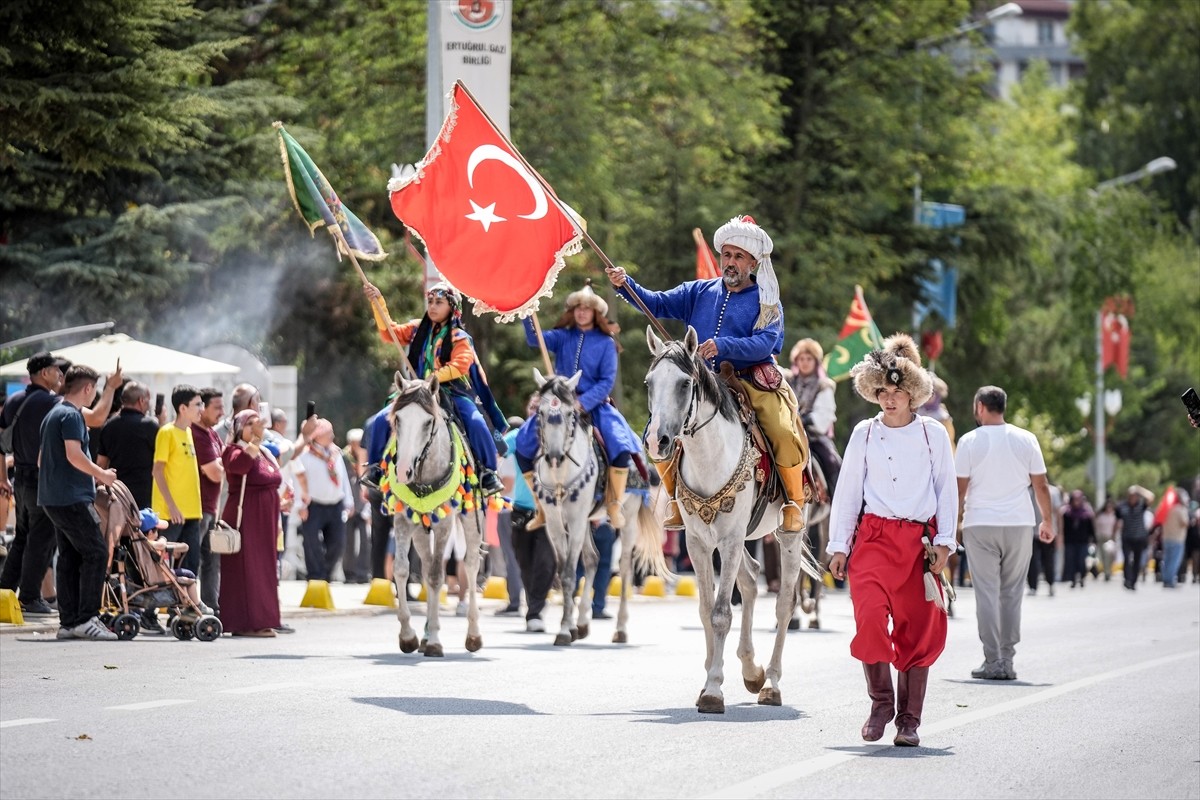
{"points": [[140, 578]]}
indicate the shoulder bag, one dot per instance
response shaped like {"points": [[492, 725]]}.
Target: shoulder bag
{"points": [[223, 539]]}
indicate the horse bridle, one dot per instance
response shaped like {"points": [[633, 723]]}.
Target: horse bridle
{"points": [[573, 416], [424, 489], [694, 403]]}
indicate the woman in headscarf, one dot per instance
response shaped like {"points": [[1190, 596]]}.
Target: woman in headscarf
{"points": [[584, 340], [437, 343], [1079, 530], [249, 586]]}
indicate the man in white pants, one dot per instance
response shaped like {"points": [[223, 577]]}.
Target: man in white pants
{"points": [[996, 464]]}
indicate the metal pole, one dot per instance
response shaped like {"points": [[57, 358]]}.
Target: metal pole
{"points": [[1100, 476]]}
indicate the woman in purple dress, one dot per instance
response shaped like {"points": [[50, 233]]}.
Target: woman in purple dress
{"points": [[249, 585]]}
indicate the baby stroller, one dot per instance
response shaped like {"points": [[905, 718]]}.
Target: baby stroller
{"points": [[139, 579]]}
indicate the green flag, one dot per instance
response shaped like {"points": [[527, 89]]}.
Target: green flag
{"points": [[859, 336], [318, 203]]}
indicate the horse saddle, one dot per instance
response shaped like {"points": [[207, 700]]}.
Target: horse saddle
{"points": [[768, 486]]}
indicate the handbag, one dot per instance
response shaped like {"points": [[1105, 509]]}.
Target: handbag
{"points": [[224, 539], [766, 377]]}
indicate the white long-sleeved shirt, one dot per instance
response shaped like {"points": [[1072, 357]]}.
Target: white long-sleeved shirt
{"points": [[824, 411], [321, 488], [900, 474]]}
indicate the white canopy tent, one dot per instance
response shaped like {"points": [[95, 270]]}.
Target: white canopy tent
{"points": [[136, 357]]}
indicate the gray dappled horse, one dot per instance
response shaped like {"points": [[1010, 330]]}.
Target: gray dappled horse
{"points": [[428, 457], [689, 407], [567, 474]]}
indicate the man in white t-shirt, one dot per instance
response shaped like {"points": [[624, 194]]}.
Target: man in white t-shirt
{"points": [[996, 464]]}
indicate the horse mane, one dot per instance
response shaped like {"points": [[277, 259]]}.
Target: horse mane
{"points": [[557, 386], [420, 395], [710, 386]]}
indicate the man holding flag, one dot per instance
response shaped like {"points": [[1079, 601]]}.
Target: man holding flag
{"points": [[738, 319]]}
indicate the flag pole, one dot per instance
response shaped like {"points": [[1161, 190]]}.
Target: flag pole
{"points": [[550, 192], [537, 327], [378, 307]]}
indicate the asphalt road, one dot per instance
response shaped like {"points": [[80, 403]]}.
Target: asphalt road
{"points": [[1107, 705]]}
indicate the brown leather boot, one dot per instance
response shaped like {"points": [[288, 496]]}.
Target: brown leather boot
{"points": [[538, 520], [618, 477], [793, 485], [910, 699], [883, 700], [666, 471]]}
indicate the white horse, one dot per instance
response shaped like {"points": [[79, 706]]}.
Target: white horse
{"points": [[567, 473], [715, 489], [429, 454]]}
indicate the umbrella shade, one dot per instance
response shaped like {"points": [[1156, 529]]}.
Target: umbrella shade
{"points": [[137, 358]]}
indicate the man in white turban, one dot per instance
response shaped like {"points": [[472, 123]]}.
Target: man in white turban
{"points": [[738, 319]]}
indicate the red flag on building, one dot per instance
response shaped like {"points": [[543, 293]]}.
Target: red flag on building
{"points": [[1114, 342], [491, 225], [706, 262]]}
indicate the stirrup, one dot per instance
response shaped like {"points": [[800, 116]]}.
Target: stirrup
{"points": [[799, 510]]}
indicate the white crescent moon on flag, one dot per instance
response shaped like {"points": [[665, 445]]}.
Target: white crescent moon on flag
{"points": [[490, 152]]}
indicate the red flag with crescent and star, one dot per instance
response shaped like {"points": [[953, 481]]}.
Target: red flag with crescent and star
{"points": [[494, 229]]}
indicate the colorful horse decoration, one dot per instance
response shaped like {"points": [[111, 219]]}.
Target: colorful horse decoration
{"points": [[716, 490]]}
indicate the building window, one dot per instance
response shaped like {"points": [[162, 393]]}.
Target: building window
{"points": [[1045, 30]]}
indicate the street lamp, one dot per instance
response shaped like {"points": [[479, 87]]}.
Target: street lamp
{"points": [[998, 13], [1106, 399]]}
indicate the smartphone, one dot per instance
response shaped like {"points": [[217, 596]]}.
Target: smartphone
{"points": [[1192, 402], [159, 399], [264, 411], [310, 410]]}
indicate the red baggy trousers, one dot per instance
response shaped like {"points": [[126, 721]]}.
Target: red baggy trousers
{"points": [[886, 576]]}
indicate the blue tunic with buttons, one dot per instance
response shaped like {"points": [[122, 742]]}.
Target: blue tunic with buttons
{"points": [[594, 354], [716, 313]]}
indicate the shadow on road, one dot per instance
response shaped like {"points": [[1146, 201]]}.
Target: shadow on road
{"points": [[398, 659], [982, 682], [886, 751], [449, 706], [740, 712]]}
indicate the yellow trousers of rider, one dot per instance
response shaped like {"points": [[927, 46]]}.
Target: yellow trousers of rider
{"points": [[776, 412]]}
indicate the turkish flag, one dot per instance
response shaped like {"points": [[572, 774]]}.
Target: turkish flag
{"points": [[1170, 498], [1114, 342], [494, 229]]}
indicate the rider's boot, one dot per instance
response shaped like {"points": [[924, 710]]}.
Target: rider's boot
{"points": [[538, 520], [617, 478], [793, 486], [666, 471]]}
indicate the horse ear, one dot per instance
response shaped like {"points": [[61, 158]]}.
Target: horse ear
{"points": [[691, 341], [655, 344], [432, 383], [398, 379], [574, 381], [538, 378]]}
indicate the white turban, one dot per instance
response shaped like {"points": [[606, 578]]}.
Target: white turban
{"points": [[744, 232]]}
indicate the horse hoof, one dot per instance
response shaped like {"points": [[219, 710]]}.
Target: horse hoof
{"points": [[793, 624], [770, 697], [710, 705], [474, 643], [421, 647], [575, 634], [583, 632], [433, 651], [562, 640], [756, 683], [699, 697], [408, 645], [814, 625], [620, 637]]}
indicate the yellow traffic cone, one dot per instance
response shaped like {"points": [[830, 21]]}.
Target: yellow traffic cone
{"points": [[317, 595], [654, 586], [381, 593], [495, 588], [614, 586], [10, 607], [685, 586]]}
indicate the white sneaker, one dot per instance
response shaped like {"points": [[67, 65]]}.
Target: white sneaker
{"points": [[93, 629], [65, 633], [535, 625]]}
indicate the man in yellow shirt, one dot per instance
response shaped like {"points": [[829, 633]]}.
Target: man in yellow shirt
{"points": [[176, 494]]}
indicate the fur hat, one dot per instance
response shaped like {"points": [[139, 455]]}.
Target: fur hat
{"points": [[897, 364], [810, 346], [587, 297], [745, 233]]}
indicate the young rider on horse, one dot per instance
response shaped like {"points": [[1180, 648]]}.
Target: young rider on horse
{"points": [[583, 340], [738, 319], [816, 405], [438, 343]]}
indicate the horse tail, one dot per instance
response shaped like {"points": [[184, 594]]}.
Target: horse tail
{"points": [[648, 545], [808, 561]]}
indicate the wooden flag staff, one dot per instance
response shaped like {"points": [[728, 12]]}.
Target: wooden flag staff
{"points": [[586, 237]]}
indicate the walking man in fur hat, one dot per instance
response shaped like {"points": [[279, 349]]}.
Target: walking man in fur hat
{"points": [[896, 507], [738, 319]]}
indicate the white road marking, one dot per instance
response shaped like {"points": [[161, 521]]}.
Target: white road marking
{"points": [[782, 776], [262, 687], [149, 704], [13, 723]]}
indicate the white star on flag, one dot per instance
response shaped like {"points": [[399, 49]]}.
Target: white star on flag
{"points": [[485, 215]]}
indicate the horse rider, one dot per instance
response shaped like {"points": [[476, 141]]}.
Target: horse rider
{"points": [[738, 319], [584, 340], [438, 344], [816, 405]]}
